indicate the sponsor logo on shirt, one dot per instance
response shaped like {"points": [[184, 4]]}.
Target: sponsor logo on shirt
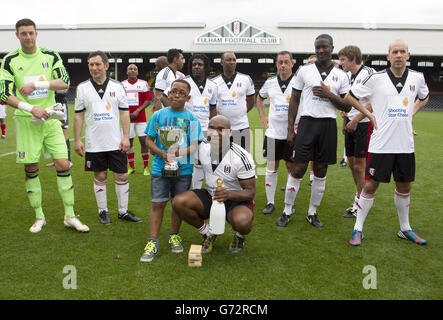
{"points": [[405, 102]]}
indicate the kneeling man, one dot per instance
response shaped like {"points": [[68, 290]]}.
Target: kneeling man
{"points": [[235, 166]]}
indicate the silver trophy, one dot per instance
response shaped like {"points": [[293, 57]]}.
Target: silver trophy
{"points": [[170, 137]]}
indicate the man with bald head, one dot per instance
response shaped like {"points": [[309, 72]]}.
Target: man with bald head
{"points": [[139, 96], [161, 63], [396, 95], [235, 166], [235, 98]]}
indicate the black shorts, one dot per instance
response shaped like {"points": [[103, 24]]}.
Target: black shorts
{"points": [[274, 149], [242, 137], [357, 142], [316, 140], [206, 199], [401, 165], [116, 161]]}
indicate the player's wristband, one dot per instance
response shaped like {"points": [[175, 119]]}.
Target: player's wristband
{"points": [[25, 106], [41, 84]]}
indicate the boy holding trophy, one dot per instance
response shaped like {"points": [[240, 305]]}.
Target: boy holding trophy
{"points": [[172, 136]]}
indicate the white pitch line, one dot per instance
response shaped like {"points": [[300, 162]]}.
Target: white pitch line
{"points": [[7, 154]]}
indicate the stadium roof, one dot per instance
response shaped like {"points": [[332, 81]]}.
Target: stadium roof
{"points": [[235, 35]]}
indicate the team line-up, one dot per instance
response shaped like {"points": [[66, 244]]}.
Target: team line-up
{"points": [[199, 132]]}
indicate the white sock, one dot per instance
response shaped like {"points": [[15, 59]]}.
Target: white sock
{"points": [[204, 229], [271, 179], [122, 191], [355, 204], [317, 191], [197, 177], [100, 195], [402, 201], [364, 205], [240, 235], [311, 175], [292, 187]]}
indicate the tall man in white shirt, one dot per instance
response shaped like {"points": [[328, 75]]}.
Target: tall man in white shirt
{"points": [[235, 98], [101, 103], [321, 85], [167, 76], [356, 127], [393, 94], [278, 89]]}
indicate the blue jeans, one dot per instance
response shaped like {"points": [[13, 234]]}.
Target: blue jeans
{"points": [[162, 188]]}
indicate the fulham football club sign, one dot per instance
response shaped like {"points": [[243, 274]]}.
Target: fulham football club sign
{"points": [[237, 32]]}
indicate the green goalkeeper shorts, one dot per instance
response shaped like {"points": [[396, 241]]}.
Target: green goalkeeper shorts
{"points": [[33, 139]]}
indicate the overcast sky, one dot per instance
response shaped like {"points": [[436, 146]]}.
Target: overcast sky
{"points": [[216, 12]]}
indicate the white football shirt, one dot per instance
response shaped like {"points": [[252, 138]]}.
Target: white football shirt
{"points": [[237, 164], [392, 101], [202, 98], [231, 98], [356, 79], [279, 93], [102, 117], [135, 90], [164, 78], [309, 76]]}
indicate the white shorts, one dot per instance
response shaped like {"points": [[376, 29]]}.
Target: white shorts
{"points": [[137, 128], [2, 111]]}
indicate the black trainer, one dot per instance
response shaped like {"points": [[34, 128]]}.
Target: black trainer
{"points": [[350, 213], [313, 219], [269, 208], [104, 218], [283, 220], [129, 216], [237, 244], [343, 163]]}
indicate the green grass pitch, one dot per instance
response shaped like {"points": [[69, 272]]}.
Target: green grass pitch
{"points": [[297, 262]]}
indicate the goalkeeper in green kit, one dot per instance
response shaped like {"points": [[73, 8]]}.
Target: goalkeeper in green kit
{"points": [[36, 73]]}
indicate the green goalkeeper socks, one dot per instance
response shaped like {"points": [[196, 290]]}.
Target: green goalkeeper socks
{"points": [[34, 191], [66, 190]]}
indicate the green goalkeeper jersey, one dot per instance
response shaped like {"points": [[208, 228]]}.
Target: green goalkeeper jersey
{"points": [[19, 68]]}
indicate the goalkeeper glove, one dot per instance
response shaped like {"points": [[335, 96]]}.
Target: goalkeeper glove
{"points": [[57, 111]]}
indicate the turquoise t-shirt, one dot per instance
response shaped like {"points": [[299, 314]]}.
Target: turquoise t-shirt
{"points": [[185, 121]]}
